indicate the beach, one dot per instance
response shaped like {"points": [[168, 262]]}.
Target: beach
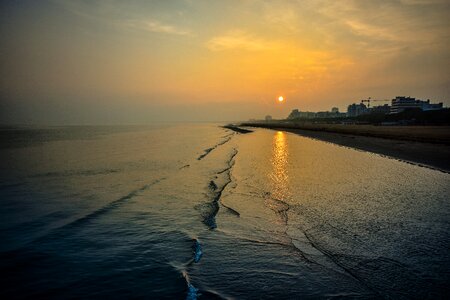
{"points": [[423, 145], [206, 211]]}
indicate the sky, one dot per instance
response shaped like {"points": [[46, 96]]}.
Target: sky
{"points": [[143, 61]]}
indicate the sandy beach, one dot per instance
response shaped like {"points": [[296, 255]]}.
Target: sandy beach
{"points": [[427, 146]]}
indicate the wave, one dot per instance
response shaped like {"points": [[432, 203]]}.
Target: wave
{"points": [[279, 207], [212, 185], [95, 214], [69, 173], [197, 251], [351, 255], [112, 205], [210, 210], [231, 210], [192, 292], [208, 150]]}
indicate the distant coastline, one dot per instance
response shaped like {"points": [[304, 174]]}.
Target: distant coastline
{"points": [[424, 145], [236, 129]]}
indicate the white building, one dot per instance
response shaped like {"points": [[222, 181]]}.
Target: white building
{"points": [[401, 103]]}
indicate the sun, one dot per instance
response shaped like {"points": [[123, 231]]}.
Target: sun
{"points": [[281, 99]]}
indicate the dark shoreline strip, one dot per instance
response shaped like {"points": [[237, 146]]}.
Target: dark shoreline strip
{"points": [[429, 155], [237, 129], [422, 134]]}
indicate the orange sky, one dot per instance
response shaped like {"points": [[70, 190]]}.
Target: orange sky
{"points": [[143, 61]]}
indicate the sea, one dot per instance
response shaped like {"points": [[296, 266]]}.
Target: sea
{"points": [[198, 211]]}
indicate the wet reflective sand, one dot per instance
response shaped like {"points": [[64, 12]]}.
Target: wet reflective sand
{"points": [[197, 211]]}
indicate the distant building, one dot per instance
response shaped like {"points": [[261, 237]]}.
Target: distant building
{"points": [[268, 118], [329, 115], [401, 103], [295, 114], [320, 114], [355, 110], [381, 109], [336, 114], [323, 114], [426, 105], [307, 114]]}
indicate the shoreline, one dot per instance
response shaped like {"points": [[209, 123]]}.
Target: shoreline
{"points": [[431, 155]]}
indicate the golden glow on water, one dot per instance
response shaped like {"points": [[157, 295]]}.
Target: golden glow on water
{"points": [[280, 159]]}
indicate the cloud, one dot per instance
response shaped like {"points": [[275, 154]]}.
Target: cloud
{"points": [[119, 14], [386, 27], [158, 27], [237, 39], [281, 15], [423, 2], [372, 31]]}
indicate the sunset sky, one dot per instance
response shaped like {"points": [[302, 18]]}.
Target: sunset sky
{"points": [[123, 62]]}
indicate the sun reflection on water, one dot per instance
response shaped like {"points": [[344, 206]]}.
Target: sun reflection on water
{"points": [[279, 176]]}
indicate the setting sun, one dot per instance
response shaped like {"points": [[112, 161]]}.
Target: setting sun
{"points": [[281, 99]]}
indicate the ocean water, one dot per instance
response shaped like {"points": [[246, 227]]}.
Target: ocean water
{"points": [[196, 211]]}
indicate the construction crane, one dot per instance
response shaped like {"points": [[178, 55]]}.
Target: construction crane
{"points": [[368, 100]]}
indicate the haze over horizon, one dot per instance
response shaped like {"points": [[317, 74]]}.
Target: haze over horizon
{"points": [[132, 62]]}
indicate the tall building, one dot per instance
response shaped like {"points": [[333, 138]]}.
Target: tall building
{"points": [[355, 110], [401, 103]]}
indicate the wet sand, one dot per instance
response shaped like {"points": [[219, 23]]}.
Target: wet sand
{"points": [[432, 155]]}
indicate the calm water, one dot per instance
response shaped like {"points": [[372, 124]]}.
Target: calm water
{"points": [[200, 212]]}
